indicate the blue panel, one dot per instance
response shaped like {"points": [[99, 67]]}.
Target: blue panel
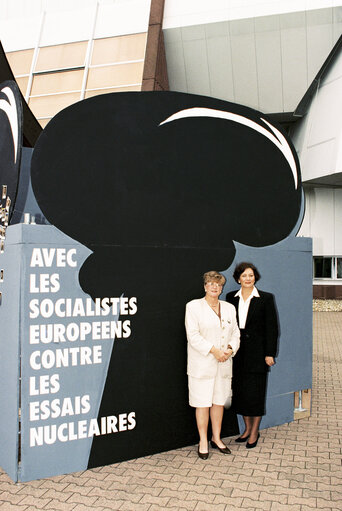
{"points": [[10, 263], [286, 271], [80, 380], [279, 411]]}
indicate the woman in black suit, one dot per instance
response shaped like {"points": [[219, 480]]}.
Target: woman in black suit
{"points": [[258, 322]]}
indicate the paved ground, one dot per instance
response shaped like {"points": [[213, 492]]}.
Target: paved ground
{"points": [[295, 467]]}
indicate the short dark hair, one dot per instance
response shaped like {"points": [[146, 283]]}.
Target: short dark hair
{"points": [[241, 267]]}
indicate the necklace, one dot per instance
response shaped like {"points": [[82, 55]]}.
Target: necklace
{"points": [[213, 306]]}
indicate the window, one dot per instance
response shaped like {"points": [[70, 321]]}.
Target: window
{"points": [[116, 65], [20, 62], [57, 79], [64, 74], [53, 83], [61, 56], [322, 267], [48, 106], [327, 267], [339, 267], [117, 75], [119, 49]]}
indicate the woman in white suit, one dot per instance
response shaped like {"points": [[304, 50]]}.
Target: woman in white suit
{"points": [[213, 339]]}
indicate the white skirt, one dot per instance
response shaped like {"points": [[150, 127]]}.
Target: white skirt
{"points": [[205, 392]]}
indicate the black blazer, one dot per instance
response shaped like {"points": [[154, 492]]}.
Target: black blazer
{"points": [[260, 335]]}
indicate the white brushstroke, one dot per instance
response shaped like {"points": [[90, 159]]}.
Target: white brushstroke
{"points": [[277, 138], [10, 109]]}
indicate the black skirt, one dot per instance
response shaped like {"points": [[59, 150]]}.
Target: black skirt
{"points": [[249, 392]]}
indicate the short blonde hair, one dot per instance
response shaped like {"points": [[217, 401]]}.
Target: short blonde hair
{"points": [[214, 276]]}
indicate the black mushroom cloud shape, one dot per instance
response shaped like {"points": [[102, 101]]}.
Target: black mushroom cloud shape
{"points": [[131, 173], [158, 186]]}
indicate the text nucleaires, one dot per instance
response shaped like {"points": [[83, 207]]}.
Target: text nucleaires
{"points": [[80, 329], [68, 431]]}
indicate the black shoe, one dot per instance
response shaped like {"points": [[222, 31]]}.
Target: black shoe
{"points": [[250, 446], [202, 455], [224, 450], [240, 439]]}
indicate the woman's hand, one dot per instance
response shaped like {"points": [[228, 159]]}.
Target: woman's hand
{"points": [[221, 355], [228, 352], [269, 361]]}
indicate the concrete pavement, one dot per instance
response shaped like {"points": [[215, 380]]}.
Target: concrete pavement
{"points": [[296, 466]]}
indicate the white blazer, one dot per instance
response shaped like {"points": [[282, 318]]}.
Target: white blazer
{"points": [[204, 330]]}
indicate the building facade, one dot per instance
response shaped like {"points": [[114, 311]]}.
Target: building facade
{"points": [[281, 57]]}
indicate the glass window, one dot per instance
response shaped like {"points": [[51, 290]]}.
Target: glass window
{"points": [[339, 267], [22, 84], [119, 49], [20, 61], [120, 75], [322, 267], [43, 122], [61, 56], [57, 82], [48, 106], [91, 93]]}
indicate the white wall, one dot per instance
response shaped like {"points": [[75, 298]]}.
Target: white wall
{"points": [[264, 62], [182, 13], [64, 21], [323, 220], [318, 139]]}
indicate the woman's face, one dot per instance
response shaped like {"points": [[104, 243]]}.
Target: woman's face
{"points": [[213, 289], [247, 278]]}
